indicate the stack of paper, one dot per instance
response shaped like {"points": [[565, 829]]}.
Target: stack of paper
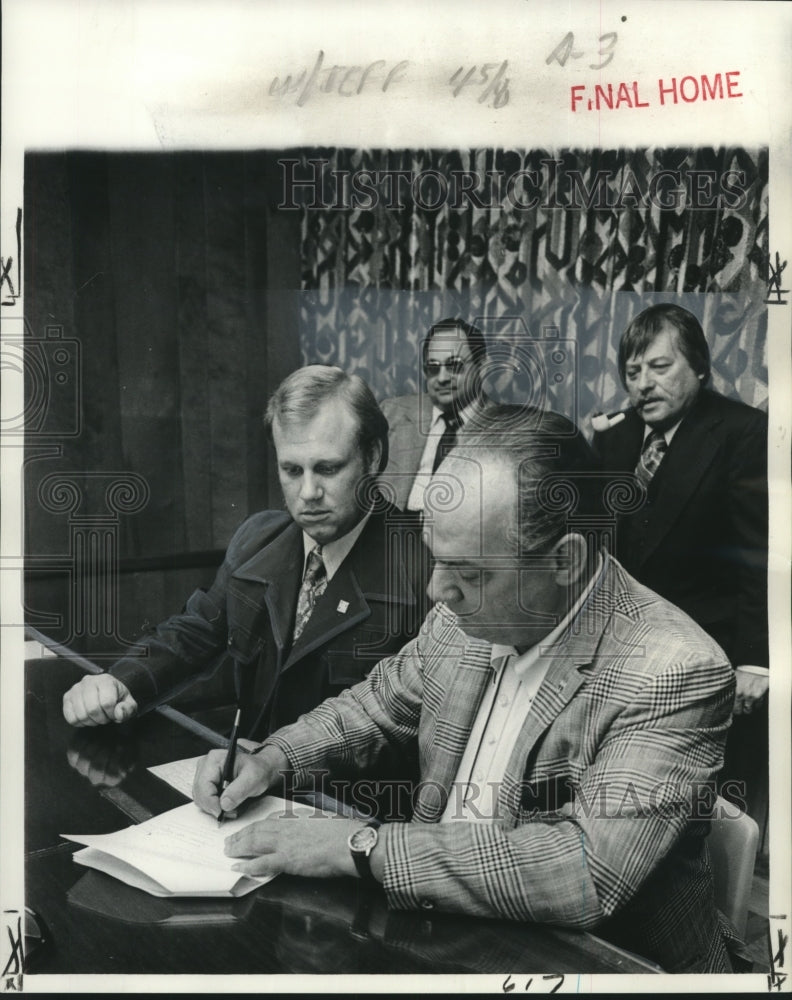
{"points": [[181, 852]]}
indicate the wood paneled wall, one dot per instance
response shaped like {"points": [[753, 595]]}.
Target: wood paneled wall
{"points": [[173, 285]]}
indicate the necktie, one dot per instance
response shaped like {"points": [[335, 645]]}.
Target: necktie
{"points": [[313, 586], [447, 439], [651, 457]]}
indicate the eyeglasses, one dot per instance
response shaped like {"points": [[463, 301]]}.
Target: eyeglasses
{"points": [[452, 365]]}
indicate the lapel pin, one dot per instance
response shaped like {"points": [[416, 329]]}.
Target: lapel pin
{"points": [[343, 607]]}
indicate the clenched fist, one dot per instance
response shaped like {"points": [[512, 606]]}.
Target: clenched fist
{"points": [[96, 700]]}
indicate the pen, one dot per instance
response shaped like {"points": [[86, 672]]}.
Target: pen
{"points": [[228, 766]]}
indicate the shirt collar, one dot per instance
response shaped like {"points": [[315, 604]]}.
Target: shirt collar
{"points": [[525, 660], [668, 434], [335, 552], [464, 415]]}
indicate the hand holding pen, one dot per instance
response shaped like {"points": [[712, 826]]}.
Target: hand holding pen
{"points": [[260, 767], [228, 766]]}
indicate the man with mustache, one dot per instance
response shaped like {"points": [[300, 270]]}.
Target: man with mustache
{"points": [[306, 602], [700, 539]]}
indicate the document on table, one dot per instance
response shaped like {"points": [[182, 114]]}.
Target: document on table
{"points": [[181, 852], [178, 773]]}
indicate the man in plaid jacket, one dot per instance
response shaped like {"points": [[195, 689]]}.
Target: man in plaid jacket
{"points": [[568, 722]]}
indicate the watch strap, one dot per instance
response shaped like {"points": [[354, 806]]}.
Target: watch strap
{"points": [[362, 860]]}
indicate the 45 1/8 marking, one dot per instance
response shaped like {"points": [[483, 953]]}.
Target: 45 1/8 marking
{"points": [[496, 86]]}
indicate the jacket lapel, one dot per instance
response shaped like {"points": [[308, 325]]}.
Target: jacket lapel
{"points": [[689, 455], [277, 570], [469, 672], [341, 607], [424, 421], [410, 419], [358, 580], [412, 436], [571, 658], [627, 439]]}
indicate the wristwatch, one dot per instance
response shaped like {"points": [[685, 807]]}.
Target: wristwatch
{"points": [[361, 843]]}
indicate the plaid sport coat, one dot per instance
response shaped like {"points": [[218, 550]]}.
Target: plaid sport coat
{"points": [[603, 811]]}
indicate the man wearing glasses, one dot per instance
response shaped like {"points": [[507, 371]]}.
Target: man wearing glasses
{"points": [[423, 427]]}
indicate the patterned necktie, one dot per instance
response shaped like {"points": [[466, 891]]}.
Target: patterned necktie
{"points": [[447, 439], [313, 586], [651, 457]]}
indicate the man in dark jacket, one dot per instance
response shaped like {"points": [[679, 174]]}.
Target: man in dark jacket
{"points": [[306, 602], [700, 538]]}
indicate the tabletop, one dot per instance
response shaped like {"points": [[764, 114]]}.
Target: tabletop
{"points": [[96, 781]]}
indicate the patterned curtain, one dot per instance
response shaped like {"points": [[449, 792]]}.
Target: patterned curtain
{"points": [[553, 287]]}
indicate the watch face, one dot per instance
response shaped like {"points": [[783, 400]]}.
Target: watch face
{"points": [[363, 840]]}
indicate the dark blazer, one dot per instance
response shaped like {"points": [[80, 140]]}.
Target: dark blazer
{"points": [[700, 539], [374, 603]]}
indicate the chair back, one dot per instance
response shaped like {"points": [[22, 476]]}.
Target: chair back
{"points": [[732, 843]]}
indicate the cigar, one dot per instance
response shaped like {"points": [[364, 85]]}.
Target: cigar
{"points": [[602, 421]]}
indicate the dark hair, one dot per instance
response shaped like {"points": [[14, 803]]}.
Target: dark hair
{"points": [[553, 463], [473, 336], [299, 395], [646, 326]]}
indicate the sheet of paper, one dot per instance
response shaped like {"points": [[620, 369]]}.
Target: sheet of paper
{"points": [[178, 773], [182, 850], [112, 864], [669, 82]]}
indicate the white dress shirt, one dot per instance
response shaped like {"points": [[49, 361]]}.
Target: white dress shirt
{"points": [[415, 501], [668, 435], [335, 552], [501, 715]]}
